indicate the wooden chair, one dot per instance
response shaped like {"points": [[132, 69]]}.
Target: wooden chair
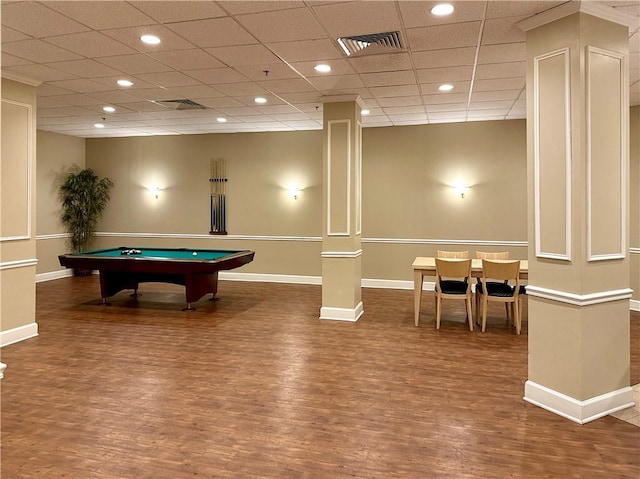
{"points": [[489, 255], [453, 281], [504, 271], [452, 254]]}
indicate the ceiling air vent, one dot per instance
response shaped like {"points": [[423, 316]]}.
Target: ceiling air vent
{"points": [[363, 44], [180, 104]]}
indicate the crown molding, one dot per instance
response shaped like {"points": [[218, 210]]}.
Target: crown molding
{"points": [[591, 8]]}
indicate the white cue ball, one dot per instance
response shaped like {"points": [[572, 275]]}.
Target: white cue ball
{"points": [[195, 254]]}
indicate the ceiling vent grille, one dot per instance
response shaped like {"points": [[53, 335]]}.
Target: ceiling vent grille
{"points": [[361, 44], [180, 104]]}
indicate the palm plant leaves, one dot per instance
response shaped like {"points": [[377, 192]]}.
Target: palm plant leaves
{"points": [[84, 197]]}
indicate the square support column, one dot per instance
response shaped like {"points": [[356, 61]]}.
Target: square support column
{"points": [[341, 212], [578, 164]]}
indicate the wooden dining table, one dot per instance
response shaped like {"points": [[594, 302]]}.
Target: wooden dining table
{"points": [[425, 266]]}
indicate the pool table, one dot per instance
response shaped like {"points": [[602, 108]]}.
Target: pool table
{"points": [[125, 268]]}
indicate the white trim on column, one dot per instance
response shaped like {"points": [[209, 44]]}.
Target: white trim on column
{"points": [[341, 254], [18, 334], [358, 171], [634, 305], [578, 411], [579, 299], [30, 165], [566, 256], [21, 263], [624, 112], [342, 314], [348, 166]]}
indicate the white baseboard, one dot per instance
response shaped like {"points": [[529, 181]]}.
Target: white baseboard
{"points": [[634, 305], [18, 334], [342, 314], [581, 412], [50, 276], [269, 278]]}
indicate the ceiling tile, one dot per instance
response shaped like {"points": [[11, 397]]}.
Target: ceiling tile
{"points": [[497, 9], [228, 32], [135, 63], [236, 8], [38, 51], [286, 86], [168, 79], [195, 91], [444, 58], [12, 61], [444, 36], [503, 30], [398, 101], [38, 20], [458, 87], [183, 60], [306, 50], [40, 72], [433, 75], [495, 95], [444, 98], [84, 68], [170, 12], [509, 52], [241, 89], [91, 44], [457, 107], [10, 35], [491, 105], [406, 77], [402, 110], [269, 71], [381, 63], [358, 18], [282, 25], [499, 84], [100, 15], [214, 76], [239, 55], [336, 83], [391, 91], [338, 67], [169, 40], [501, 70], [417, 14]]}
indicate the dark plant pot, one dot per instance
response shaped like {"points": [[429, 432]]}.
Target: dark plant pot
{"points": [[81, 272]]}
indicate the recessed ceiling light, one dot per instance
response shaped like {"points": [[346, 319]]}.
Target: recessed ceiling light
{"points": [[150, 39], [442, 9], [260, 100], [125, 82], [99, 125], [322, 68], [108, 109], [365, 112], [221, 119], [445, 87]]}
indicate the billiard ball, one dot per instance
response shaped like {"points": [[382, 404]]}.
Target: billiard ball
{"points": [[195, 254]]}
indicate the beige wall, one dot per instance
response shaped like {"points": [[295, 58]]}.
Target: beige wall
{"points": [[17, 218], [409, 207], [56, 154], [634, 210]]}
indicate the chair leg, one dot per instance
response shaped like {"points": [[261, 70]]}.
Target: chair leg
{"points": [[485, 303], [438, 311], [517, 314], [469, 314]]}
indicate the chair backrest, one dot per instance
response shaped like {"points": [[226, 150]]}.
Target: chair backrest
{"points": [[453, 268], [452, 254], [503, 270], [488, 255]]}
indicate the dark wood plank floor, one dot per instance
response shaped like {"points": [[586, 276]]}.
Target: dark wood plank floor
{"points": [[253, 385]]}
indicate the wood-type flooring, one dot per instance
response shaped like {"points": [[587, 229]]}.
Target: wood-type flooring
{"points": [[254, 385]]}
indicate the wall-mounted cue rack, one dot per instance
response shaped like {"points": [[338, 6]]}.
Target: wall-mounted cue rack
{"points": [[218, 184]]}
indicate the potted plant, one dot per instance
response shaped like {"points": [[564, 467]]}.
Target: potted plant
{"points": [[84, 197]]}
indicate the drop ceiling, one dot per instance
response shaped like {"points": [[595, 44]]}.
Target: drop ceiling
{"points": [[222, 55]]}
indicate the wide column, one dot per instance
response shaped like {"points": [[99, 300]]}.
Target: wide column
{"points": [[341, 212], [579, 273]]}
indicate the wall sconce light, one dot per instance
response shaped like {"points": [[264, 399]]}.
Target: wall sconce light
{"points": [[461, 189], [294, 191], [155, 191]]}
